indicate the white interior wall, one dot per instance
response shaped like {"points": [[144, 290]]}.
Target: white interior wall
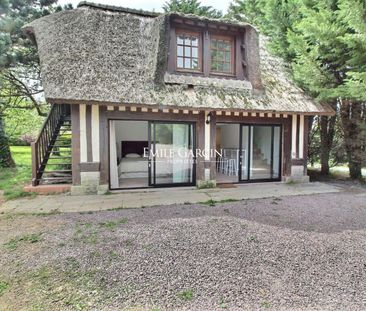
{"points": [[229, 135], [262, 138], [130, 130]]}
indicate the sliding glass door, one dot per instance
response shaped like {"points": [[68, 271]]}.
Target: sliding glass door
{"points": [[172, 157], [260, 152]]}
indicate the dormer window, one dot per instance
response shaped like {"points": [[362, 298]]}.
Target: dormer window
{"points": [[197, 48], [222, 58], [188, 51]]}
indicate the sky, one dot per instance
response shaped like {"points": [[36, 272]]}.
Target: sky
{"points": [[150, 5]]}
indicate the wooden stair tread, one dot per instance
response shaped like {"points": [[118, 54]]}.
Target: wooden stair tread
{"points": [[59, 157], [57, 171]]}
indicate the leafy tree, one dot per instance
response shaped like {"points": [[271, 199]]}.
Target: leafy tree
{"points": [[325, 44], [20, 82], [191, 7]]}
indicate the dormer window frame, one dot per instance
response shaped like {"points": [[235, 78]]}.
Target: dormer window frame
{"points": [[232, 62], [188, 34], [206, 32]]}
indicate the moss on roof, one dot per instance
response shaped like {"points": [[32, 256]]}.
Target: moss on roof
{"points": [[118, 55]]}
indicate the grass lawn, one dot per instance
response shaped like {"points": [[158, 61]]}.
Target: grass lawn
{"points": [[340, 172], [12, 180]]}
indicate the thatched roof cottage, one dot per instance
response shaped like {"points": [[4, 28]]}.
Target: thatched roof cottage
{"points": [[154, 99]]}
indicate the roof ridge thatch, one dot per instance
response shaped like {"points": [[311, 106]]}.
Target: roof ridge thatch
{"points": [[140, 12], [118, 9]]}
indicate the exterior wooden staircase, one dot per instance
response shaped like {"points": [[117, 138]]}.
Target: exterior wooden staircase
{"points": [[52, 151]]}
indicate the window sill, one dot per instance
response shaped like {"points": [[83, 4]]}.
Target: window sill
{"points": [[196, 79]]}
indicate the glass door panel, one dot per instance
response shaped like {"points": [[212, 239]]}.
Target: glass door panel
{"points": [[276, 167], [172, 156], [261, 137], [260, 147], [244, 152]]}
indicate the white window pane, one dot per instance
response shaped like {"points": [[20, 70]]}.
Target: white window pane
{"points": [[187, 41], [194, 52], [194, 63], [180, 62], [179, 50], [180, 39], [194, 41], [187, 63], [187, 51]]}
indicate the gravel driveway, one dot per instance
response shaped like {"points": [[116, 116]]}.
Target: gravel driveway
{"points": [[294, 253]]}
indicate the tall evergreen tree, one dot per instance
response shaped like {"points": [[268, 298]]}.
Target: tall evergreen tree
{"points": [[324, 43], [191, 7]]}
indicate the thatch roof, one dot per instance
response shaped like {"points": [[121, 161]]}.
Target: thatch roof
{"points": [[115, 55]]}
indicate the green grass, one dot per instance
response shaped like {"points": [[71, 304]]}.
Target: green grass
{"points": [[3, 287], [186, 295], [111, 225], [12, 180], [212, 202], [30, 238]]}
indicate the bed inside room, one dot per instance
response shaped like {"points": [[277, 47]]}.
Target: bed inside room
{"points": [[131, 144]]}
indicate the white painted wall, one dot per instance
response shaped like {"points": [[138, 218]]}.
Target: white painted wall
{"points": [[229, 135], [262, 138], [130, 130]]}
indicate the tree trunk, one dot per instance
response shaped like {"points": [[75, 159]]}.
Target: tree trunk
{"points": [[6, 159], [353, 124], [327, 129]]}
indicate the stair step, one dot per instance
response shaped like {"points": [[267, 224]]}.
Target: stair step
{"points": [[56, 178], [59, 157], [59, 163], [57, 171], [61, 152]]}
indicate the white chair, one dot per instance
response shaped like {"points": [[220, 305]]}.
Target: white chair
{"points": [[231, 167]]}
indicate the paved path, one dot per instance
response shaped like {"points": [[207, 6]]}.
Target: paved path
{"points": [[162, 196]]}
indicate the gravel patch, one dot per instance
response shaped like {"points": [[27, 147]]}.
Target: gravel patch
{"points": [[294, 253]]}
